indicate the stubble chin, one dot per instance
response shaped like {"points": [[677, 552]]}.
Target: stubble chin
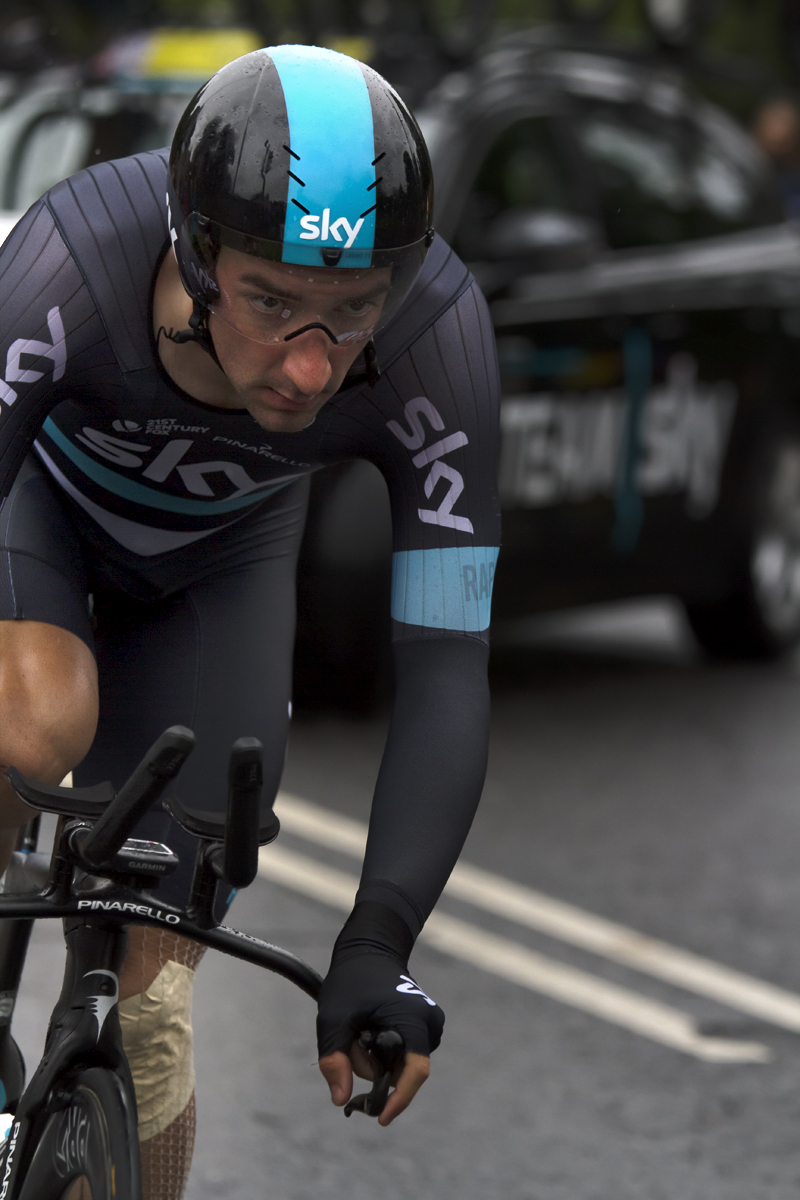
{"points": [[272, 421]]}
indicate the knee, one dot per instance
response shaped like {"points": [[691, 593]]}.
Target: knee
{"points": [[48, 699], [157, 1038]]}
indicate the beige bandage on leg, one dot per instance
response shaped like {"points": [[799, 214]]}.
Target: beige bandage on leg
{"points": [[157, 1038]]}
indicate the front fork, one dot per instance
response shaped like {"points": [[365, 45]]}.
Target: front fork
{"points": [[14, 939], [84, 1031], [84, 1028]]}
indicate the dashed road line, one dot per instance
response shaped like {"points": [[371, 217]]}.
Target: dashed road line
{"points": [[509, 960], [567, 923]]}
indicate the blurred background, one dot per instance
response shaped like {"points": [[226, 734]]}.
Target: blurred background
{"points": [[757, 40], [737, 50]]}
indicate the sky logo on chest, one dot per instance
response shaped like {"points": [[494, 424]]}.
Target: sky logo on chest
{"points": [[221, 485], [331, 199]]}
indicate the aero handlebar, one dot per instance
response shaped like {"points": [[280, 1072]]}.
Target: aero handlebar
{"points": [[138, 795], [245, 780]]}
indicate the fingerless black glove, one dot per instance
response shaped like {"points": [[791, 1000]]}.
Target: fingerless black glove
{"points": [[368, 985]]}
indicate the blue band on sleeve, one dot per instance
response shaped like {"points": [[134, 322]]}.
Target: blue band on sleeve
{"points": [[444, 589]]}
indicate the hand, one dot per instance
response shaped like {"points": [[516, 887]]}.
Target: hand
{"points": [[374, 990], [369, 988], [338, 1068]]}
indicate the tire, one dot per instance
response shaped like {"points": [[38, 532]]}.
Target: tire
{"points": [[760, 617], [89, 1146]]}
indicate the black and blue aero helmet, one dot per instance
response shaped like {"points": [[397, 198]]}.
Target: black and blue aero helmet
{"points": [[304, 156]]}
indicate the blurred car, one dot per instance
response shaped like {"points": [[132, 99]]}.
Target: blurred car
{"points": [[646, 301], [645, 294], [126, 100]]}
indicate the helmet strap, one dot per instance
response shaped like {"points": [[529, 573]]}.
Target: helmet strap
{"points": [[197, 332], [371, 363], [372, 373], [198, 323]]}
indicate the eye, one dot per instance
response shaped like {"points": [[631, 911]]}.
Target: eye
{"points": [[272, 306], [356, 308]]}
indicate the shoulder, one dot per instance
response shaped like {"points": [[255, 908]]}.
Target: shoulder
{"points": [[112, 203], [440, 283], [113, 220]]}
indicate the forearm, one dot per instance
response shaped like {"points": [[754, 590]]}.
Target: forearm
{"points": [[428, 788], [431, 776]]}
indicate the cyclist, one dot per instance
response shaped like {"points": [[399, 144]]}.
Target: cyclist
{"points": [[166, 390]]}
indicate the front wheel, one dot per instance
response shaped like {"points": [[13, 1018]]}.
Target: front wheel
{"points": [[89, 1147], [761, 616]]}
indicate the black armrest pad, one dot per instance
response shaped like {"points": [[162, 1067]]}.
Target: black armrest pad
{"points": [[203, 823], [67, 802]]}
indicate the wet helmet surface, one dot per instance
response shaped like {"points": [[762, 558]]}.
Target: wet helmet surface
{"points": [[299, 155]]}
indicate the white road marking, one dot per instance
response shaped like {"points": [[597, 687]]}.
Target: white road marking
{"points": [[567, 923], [320, 825], [507, 959]]}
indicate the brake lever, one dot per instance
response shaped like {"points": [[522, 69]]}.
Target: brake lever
{"points": [[384, 1048]]}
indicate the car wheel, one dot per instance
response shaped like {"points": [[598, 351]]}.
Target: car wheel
{"points": [[760, 618]]}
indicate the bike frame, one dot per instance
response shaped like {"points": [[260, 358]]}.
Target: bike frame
{"points": [[84, 1029], [102, 880]]}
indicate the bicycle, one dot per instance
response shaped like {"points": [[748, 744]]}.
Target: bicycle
{"points": [[76, 1120]]}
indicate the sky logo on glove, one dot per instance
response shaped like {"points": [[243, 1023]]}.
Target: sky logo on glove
{"points": [[413, 989]]}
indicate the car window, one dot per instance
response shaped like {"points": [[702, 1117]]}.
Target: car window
{"points": [[56, 146], [669, 179], [524, 171], [59, 144]]}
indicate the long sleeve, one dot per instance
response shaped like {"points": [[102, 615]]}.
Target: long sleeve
{"points": [[431, 425]]}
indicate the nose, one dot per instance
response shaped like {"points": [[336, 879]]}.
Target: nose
{"points": [[306, 363]]}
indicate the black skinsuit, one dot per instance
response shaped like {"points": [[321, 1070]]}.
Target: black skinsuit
{"points": [[183, 520]]}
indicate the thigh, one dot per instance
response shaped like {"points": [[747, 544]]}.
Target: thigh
{"points": [[42, 568], [216, 657], [48, 680]]}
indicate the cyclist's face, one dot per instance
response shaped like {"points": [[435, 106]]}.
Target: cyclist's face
{"points": [[283, 383]]}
